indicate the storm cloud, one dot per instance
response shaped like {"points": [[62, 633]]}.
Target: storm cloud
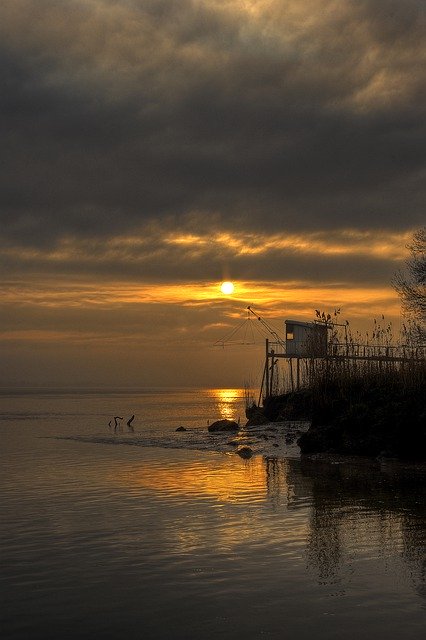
{"points": [[262, 115]]}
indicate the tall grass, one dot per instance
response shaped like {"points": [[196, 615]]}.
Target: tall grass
{"points": [[330, 380], [369, 397], [356, 366], [354, 360]]}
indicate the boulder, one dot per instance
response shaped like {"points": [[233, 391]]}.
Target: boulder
{"points": [[245, 452], [181, 429], [223, 425]]}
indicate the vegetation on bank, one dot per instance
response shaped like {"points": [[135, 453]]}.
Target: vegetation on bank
{"points": [[373, 406], [365, 409], [373, 413]]}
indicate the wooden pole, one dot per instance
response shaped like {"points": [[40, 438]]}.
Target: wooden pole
{"points": [[267, 368], [261, 386], [271, 381], [290, 360]]}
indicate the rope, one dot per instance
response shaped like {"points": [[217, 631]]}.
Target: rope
{"points": [[247, 329], [228, 336]]}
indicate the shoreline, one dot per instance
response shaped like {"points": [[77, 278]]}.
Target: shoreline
{"points": [[381, 422]]}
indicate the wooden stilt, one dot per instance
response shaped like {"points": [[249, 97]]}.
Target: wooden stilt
{"points": [[267, 368], [291, 374], [271, 380]]}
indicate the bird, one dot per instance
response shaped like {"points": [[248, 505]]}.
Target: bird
{"points": [[129, 422], [115, 421]]}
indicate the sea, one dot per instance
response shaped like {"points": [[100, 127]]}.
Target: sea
{"points": [[140, 531]]}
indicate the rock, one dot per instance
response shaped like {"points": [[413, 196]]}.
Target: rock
{"points": [[245, 452], [181, 429], [255, 417], [296, 405], [223, 425]]}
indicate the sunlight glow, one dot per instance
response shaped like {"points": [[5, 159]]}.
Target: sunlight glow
{"points": [[275, 298], [227, 288]]}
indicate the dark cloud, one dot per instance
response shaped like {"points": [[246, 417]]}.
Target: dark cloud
{"points": [[114, 113], [155, 257]]}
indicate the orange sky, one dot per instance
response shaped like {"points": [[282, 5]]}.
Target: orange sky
{"points": [[83, 329]]}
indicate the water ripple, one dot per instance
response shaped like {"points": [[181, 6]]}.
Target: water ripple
{"points": [[279, 440]]}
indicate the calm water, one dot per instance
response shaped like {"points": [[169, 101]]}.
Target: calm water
{"points": [[156, 534]]}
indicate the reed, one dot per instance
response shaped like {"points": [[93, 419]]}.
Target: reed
{"points": [[367, 393], [355, 365]]}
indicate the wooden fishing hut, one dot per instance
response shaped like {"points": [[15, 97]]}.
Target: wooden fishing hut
{"points": [[310, 344], [303, 340], [323, 344]]}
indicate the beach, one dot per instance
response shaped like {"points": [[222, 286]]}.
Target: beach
{"points": [[144, 532]]}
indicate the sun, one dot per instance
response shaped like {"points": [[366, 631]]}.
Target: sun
{"points": [[227, 288]]}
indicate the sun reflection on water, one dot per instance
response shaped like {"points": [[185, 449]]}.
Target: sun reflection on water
{"points": [[223, 479], [228, 402]]}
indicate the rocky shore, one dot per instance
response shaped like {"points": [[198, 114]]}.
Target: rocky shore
{"points": [[375, 422]]}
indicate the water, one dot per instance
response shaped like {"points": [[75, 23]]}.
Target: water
{"points": [[155, 534]]}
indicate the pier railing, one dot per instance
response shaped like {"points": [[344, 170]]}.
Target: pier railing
{"points": [[356, 351], [338, 357]]}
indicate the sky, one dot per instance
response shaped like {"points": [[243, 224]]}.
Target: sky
{"points": [[152, 149]]}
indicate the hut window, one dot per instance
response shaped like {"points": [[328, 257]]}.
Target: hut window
{"points": [[290, 332]]}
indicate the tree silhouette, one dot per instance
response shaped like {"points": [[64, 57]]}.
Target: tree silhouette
{"points": [[411, 283]]}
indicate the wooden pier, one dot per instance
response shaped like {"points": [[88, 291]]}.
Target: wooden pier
{"points": [[300, 365]]}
